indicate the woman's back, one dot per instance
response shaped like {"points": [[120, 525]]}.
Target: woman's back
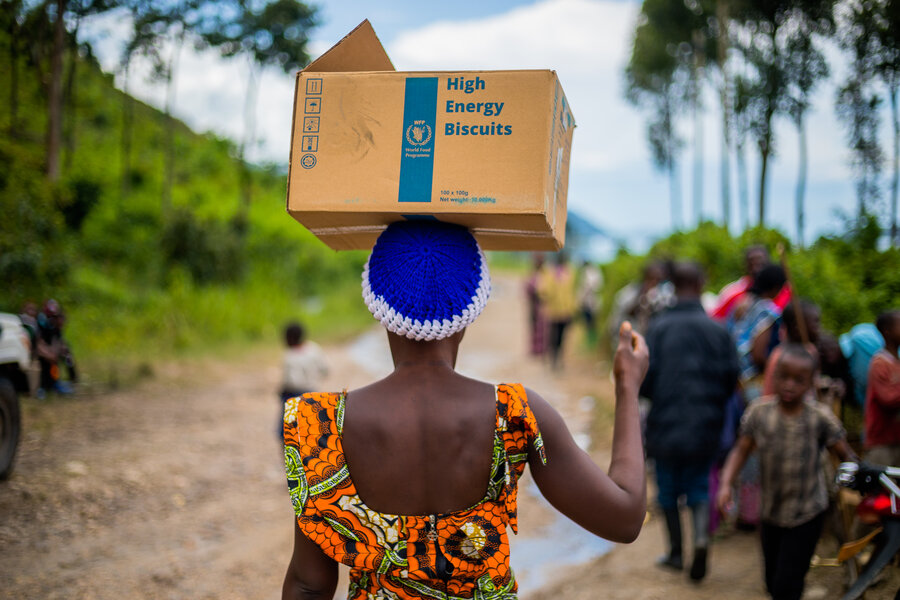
{"points": [[420, 442], [420, 548]]}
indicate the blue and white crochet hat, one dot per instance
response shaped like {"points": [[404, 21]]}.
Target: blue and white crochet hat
{"points": [[426, 280]]}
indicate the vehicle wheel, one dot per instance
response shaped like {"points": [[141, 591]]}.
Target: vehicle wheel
{"points": [[9, 427]]}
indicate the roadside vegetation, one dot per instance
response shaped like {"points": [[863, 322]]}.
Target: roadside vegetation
{"points": [[149, 263]]}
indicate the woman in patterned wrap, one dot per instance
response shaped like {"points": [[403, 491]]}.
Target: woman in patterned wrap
{"points": [[412, 480]]}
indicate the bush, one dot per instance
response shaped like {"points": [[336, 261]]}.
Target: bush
{"points": [[211, 251], [34, 256]]}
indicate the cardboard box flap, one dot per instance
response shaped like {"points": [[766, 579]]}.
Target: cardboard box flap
{"points": [[360, 50]]}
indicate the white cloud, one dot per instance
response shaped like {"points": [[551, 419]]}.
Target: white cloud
{"points": [[585, 42]]}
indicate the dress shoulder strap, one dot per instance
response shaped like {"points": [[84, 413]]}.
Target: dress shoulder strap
{"points": [[516, 429], [313, 458], [514, 417]]}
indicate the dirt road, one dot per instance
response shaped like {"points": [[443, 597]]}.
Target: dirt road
{"points": [[174, 489]]}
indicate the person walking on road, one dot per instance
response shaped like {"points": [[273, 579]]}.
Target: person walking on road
{"points": [[590, 280], [693, 371], [412, 481], [789, 431], [556, 288], [302, 365], [538, 329]]}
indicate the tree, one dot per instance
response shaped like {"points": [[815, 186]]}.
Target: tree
{"points": [[45, 26], [655, 83], [722, 12], [857, 108], [147, 29], [741, 130], [869, 36], [11, 19], [272, 35], [55, 97], [768, 26], [804, 67], [78, 11], [887, 68], [173, 22]]}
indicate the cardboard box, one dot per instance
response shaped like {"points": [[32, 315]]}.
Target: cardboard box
{"points": [[485, 149]]}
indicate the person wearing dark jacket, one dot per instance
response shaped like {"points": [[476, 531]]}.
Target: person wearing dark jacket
{"points": [[693, 371]]}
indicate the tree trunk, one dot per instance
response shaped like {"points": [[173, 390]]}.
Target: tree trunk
{"points": [[725, 97], [801, 180], [674, 196], [895, 179], [13, 79], [743, 192], [170, 123], [725, 167], [698, 159], [764, 164], [54, 121], [127, 118], [773, 76], [698, 65], [70, 100], [249, 131], [765, 149]]}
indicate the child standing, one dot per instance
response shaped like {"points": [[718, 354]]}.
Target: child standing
{"points": [[303, 366], [788, 431]]}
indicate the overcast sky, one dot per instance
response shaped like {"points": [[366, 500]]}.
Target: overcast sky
{"points": [[612, 181]]}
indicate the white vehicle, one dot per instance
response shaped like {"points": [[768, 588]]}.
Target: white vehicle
{"points": [[15, 358]]}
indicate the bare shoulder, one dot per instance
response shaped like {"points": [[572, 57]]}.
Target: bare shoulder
{"points": [[540, 407], [549, 421]]}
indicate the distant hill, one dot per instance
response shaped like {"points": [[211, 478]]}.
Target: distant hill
{"points": [[585, 240]]}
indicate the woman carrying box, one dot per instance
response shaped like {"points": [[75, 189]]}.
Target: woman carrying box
{"points": [[412, 480]]}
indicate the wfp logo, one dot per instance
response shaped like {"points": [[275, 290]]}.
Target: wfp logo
{"points": [[419, 133]]}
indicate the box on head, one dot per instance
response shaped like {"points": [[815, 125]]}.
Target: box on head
{"points": [[370, 145]]}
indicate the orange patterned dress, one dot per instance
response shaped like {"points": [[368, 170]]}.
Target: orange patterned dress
{"points": [[463, 554]]}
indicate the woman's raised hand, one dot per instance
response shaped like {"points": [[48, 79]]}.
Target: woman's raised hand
{"points": [[632, 357]]}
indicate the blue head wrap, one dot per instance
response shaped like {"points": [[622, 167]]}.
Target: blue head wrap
{"points": [[426, 280]]}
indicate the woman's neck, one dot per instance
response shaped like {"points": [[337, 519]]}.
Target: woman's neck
{"points": [[418, 363], [411, 354]]}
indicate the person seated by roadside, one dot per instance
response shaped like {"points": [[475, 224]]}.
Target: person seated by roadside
{"points": [[882, 413], [53, 350], [788, 431], [29, 317], [412, 481]]}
